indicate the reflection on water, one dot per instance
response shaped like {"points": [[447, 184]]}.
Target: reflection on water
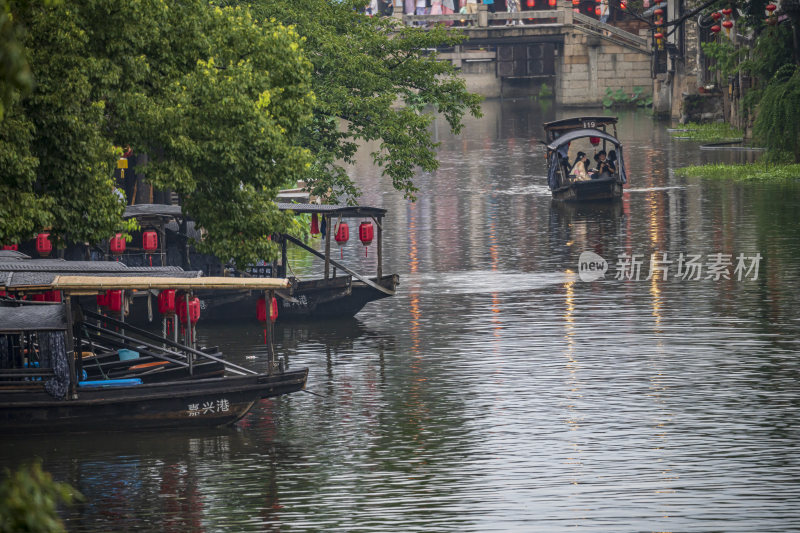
{"points": [[498, 391]]}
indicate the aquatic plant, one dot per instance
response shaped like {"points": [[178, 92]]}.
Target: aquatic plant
{"points": [[710, 132], [778, 122], [760, 171]]}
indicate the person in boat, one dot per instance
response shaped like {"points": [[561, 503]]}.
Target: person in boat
{"points": [[580, 168], [612, 161], [604, 164]]}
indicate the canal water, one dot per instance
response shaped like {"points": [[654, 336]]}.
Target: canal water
{"points": [[499, 391]]}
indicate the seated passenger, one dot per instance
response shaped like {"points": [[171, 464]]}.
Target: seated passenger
{"points": [[604, 166], [612, 161], [580, 168]]}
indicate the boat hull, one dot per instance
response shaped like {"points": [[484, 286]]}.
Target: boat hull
{"points": [[189, 403], [589, 191]]}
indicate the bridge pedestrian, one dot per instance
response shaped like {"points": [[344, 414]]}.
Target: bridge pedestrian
{"points": [[513, 7], [472, 9], [448, 8]]}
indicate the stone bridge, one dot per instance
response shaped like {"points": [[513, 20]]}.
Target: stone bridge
{"points": [[576, 56]]}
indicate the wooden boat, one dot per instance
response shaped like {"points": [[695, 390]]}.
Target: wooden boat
{"points": [[338, 291], [43, 387], [564, 140]]}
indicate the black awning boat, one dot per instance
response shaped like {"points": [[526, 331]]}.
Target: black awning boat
{"points": [[571, 145], [63, 369]]}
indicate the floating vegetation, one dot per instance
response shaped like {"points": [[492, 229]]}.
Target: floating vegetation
{"points": [[712, 132], [759, 171]]}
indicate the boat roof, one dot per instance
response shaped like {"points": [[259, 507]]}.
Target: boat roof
{"points": [[579, 122], [336, 210], [143, 211], [88, 284], [16, 316], [20, 272], [578, 134]]}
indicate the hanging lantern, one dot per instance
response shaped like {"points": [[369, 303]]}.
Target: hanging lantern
{"points": [[716, 15], [576, 2], [12, 247], [342, 234], [770, 8], [366, 232], [43, 244], [715, 29], [659, 36], [150, 241], [117, 244], [261, 310], [658, 12], [314, 224], [52, 296], [551, 3], [727, 25], [660, 22], [166, 302], [597, 11], [194, 310], [531, 3], [727, 12], [114, 301], [594, 140], [102, 299], [622, 6]]}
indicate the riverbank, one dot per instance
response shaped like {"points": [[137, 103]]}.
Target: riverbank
{"points": [[758, 171]]}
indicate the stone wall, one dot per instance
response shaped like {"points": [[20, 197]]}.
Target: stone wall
{"points": [[588, 65]]}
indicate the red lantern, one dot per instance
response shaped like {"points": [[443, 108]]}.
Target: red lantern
{"points": [[715, 28], [716, 15], [727, 12], [194, 310], [770, 8], [622, 6], [597, 11], [150, 241], [531, 3], [576, 2], [551, 3], [727, 25], [658, 36], [102, 299], [114, 301], [12, 247], [342, 234], [52, 296], [314, 224], [38, 298], [43, 244], [658, 12], [261, 310], [166, 302], [366, 233], [594, 140], [117, 244]]}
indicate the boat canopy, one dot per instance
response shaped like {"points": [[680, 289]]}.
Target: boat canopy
{"points": [[558, 148], [93, 284], [579, 134], [16, 316], [579, 122]]}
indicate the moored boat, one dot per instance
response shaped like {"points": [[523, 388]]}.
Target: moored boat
{"points": [[47, 347]]}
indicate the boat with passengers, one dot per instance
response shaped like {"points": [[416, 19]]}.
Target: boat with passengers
{"points": [[584, 160]]}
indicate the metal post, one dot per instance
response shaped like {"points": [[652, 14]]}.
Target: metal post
{"points": [[122, 312], [284, 258], [379, 245], [327, 246], [268, 326], [188, 332], [73, 376]]}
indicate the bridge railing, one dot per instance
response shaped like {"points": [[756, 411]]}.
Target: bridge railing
{"points": [[595, 26], [477, 19]]}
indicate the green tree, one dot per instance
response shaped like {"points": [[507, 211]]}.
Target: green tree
{"points": [[216, 100], [778, 122], [374, 80], [29, 500]]}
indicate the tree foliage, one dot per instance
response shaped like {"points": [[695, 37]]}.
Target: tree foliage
{"points": [[374, 80], [29, 500], [215, 99], [778, 121]]}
